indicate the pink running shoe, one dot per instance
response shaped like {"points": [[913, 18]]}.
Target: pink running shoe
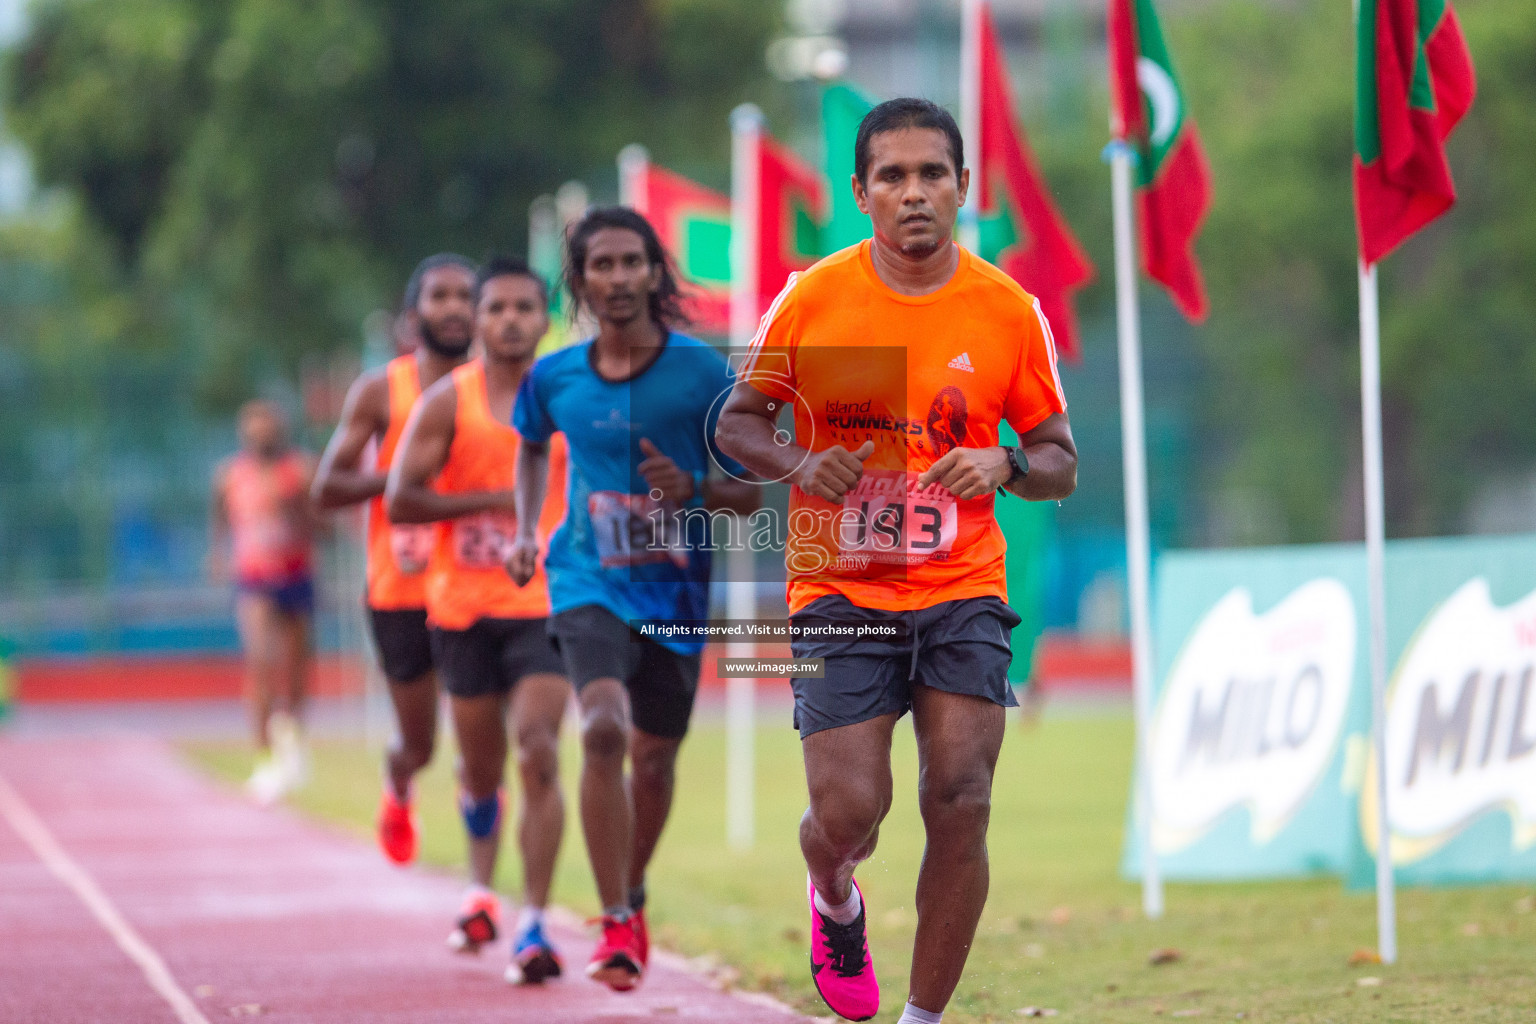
{"points": [[840, 963]]}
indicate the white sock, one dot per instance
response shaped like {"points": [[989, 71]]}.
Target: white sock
{"points": [[842, 913], [528, 917], [913, 1015]]}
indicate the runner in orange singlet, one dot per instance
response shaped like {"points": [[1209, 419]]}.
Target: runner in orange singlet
{"points": [[455, 467], [261, 507], [439, 299]]}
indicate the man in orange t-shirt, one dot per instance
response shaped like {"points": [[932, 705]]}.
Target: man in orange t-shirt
{"points": [[455, 468], [439, 311], [900, 356]]}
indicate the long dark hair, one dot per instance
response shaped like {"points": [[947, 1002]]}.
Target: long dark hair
{"points": [[666, 301]]}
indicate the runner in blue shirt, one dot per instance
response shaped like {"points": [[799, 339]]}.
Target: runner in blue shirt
{"points": [[637, 405]]}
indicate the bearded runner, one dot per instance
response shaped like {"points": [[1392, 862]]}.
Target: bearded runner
{"points": [[439, 300]]}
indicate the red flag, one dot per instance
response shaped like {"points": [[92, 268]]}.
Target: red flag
{"points": [[694, 224], [1413, 82], [1172, 178], [792, 205], [1021, 231]]}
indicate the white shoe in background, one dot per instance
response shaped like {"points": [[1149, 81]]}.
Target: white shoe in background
{"points": [[288, 753], [267, 782]]}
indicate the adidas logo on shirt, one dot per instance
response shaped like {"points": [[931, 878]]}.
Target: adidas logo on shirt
{"points": [[962, 362]]}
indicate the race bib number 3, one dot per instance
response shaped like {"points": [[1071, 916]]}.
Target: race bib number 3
{"points": [[410, 544], [483, 541], [635, 529], [886, 518]]}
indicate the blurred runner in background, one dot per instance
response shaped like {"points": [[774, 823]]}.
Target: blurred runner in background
{"points": [[439, 298], [455, 467], [636, 406], [262, 515]]}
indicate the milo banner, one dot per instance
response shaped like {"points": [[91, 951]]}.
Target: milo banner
{"points": [[1259, 654], [1461, 715], [1260, 753]]}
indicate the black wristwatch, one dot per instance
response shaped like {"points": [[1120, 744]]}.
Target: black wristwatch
{"points": [[1018, 463]]}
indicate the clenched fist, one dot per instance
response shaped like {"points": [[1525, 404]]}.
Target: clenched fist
{"points": [[664, 475], [830, 474], [969, 472], [523, 560]]}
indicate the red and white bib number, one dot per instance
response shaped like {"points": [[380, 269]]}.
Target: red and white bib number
{"points": [[888, 519], [634, 529], [483, 541], [410, 544]]}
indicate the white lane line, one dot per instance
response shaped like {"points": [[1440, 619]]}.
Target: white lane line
{"points": [[48, 850]]}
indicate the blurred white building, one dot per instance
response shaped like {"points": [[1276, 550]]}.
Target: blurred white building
{"points": [[906, 47], [15, 169]]}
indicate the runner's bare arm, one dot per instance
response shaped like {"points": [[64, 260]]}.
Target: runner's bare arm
{"points": [[341, 479], [739, 496], [747, 433], [969, 473], [1052, 456], [305, 511], [217, 563], [423, 451], [529, 486]]}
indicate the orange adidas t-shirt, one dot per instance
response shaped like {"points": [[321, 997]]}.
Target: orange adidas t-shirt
{"points": [[918, 375]]}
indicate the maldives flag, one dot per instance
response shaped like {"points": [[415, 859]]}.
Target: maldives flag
{"points": [[791, 207], [694, 223], [1021, 231], [842, 109], [1172, 177], [1413, 82]]}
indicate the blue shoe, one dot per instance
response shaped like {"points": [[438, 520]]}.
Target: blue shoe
{"points": [[534, 959]]}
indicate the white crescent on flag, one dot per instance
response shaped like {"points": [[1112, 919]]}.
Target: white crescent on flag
{"points": [[1162, 95]]}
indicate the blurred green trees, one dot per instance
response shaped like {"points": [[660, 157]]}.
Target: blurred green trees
{"points": [[1272, 90], [264, 172]]}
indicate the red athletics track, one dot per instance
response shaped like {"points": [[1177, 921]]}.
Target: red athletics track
{"points": [[132, 891]]}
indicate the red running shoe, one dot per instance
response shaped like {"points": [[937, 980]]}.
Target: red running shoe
{"points": [[642, 937], [616, 960], [477, 922], [840, 965], [397, 828]]}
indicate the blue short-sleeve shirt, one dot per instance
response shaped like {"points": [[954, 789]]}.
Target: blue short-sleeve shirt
{"points": [[607, 552]]}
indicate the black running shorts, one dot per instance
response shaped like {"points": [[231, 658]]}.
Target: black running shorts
{"points": [[492, 655], [405, 648], [955, 646], [597, 644]]}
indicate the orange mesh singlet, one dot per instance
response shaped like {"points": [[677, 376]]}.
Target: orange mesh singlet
{"points": [[467, 579], [919, 375], [268, 530], [397, 553]]}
